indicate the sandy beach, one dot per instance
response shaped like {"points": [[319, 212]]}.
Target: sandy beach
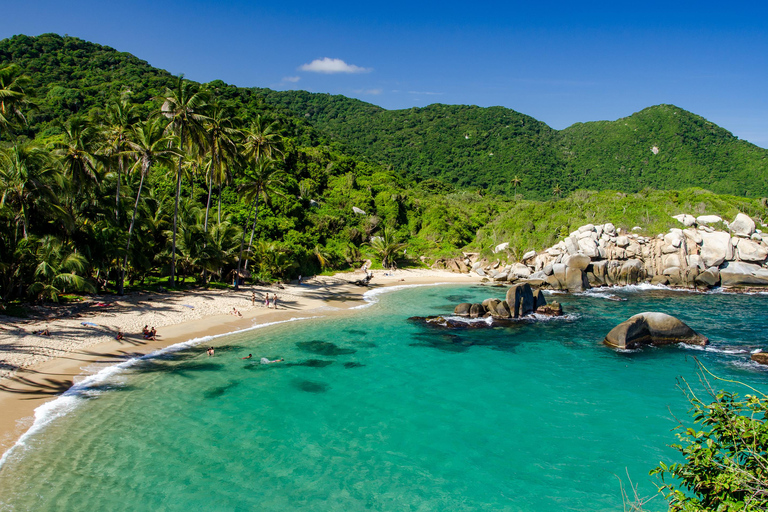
{"points": [[35, 369]]}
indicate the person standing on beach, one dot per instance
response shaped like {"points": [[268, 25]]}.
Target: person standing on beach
{"points": [[274, 301], [266, 300], [253, 298]]}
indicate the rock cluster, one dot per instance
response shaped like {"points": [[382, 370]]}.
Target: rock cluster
{"points": [[521, 300], [694, 256]]}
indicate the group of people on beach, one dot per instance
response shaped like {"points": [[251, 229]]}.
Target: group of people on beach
{"points": [[149, 334], [267, 302], [273, 301]]}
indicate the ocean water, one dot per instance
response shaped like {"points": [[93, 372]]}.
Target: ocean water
{"points": [[371, 411]]}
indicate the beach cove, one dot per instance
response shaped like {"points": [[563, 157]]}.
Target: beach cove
{"points": [[36, 369], [371, 410]]}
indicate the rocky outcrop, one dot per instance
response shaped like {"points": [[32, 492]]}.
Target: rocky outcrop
{"points": [[652, 329], [694, 255], [760, 357]]}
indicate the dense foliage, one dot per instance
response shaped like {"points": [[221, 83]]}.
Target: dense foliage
{"points": [[725, 452]]}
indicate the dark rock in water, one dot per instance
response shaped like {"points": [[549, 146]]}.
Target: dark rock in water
{"points": [[538, 299], [311, 387], [553, 309], [365, 344], [520, 300], [353, 365], [760, 357], [652, 328], [462, 309], [502, 310], [449, 323], [324, 348], [356, 332], [477, 310]]}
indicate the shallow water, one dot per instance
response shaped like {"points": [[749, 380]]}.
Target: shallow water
{"points": [[374, 412]]}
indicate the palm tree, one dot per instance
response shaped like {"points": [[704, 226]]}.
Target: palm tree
{"points": [[13, 96], [263, 182], [77, 153], [57, 268], [184, 107], [262, 139], [222, 147], [149, 144], [386, 246], [516, 181], [27, 176], [116, 125], [556, 191]]}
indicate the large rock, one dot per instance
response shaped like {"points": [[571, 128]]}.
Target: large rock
{"points": [[708, 219], [462, 309], [538, 299], [502, 310], [501, 247], [760, 357], [709, 278], [652, 328], [716, 248], [520, 300], [576, 280], [589, 247], [685, 219], [476, 311], [736, 274], [520, 271], [578, 261], [747, 250], [742, 225]]}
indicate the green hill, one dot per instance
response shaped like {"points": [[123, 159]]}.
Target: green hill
{"points": [[469, 146]]}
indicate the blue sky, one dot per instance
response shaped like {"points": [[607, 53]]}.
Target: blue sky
{"points": [[560, 62]]}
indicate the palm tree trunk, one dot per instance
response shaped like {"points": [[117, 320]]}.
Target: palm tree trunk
{"points": [[172, 279], [240, 257], [219, 202], [117, 194], [208, 204], [130, 232], [253, 227]]}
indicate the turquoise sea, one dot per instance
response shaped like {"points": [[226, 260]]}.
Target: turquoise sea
{"points": [[371, 411]]}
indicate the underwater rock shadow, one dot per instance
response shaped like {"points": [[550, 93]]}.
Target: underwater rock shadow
{"points": [[310, 386], [323, 348], [220, 390]]}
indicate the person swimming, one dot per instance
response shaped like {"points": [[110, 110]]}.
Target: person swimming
{"points": [[264, 360], [210, 351], [248, 357]]}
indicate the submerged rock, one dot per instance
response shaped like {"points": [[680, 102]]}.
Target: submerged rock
{"points": [[652, 328]]}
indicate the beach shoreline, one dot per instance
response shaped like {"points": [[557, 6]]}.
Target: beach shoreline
{"points": [[38, 369]]}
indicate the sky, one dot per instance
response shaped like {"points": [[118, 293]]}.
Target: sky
{"points": [[561, 62]]}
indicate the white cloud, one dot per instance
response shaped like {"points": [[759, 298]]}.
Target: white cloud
{"points": [[368, 91], [427, 93], [291, 79], [329, 66]]}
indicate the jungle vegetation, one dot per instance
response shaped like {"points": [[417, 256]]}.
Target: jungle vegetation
{"points": [[114, 173]]}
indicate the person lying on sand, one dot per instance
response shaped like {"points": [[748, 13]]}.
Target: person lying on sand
{"points": [[44, 332], [119, 335], [264, 360], [235, 312]]}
